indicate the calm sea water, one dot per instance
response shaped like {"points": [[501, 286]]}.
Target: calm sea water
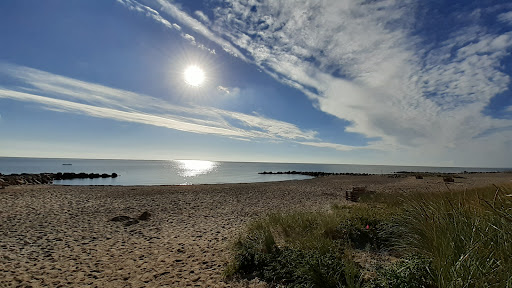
{"points": [[185, 172]]}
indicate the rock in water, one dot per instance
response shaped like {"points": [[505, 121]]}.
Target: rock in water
{"points": [[144, 216]]}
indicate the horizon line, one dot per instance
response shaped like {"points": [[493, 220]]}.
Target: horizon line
{"points": [[230, 161]]}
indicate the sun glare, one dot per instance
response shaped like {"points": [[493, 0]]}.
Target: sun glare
{"points": [[192, 168], [194, 76]]}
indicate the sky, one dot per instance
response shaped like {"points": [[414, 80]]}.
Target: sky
{"points": [[393, 82]]}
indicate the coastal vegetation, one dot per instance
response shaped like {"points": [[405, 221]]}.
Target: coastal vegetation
{"points": [[441, 239]]}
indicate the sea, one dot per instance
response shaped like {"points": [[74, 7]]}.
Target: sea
{"points": [[189, 172]]}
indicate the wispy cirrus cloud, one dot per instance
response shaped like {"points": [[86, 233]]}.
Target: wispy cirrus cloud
{"points": [[339, 147], [506, 17], [149, 12], [186, 20], [127, 116], [202, 17], [65, 94]]}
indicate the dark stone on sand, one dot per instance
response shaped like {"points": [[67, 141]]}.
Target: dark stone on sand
{"points": [[144, 216], [121, 218], [130, 222]]}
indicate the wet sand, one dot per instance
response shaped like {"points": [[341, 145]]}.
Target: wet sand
{"points": [[61, 235]]}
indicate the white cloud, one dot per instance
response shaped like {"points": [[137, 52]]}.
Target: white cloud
{"points": [[190, 38], [228, 91], [127, 116], [506, 17], [149, 12], [63, 94], [198, 27], [338, 147], [134, 5], [223, 89], [360, 62], [202, 17]]}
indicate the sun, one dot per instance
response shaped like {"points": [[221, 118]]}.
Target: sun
{"points": [[194, 76]]}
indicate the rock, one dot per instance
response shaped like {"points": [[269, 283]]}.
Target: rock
{"points": [[121, 218], [144, 216], [130, 222]]}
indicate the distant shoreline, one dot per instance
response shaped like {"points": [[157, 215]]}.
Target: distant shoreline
{"points": [[48, 178]]}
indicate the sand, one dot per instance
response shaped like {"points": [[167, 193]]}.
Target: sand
{"points": [[61, 236]]}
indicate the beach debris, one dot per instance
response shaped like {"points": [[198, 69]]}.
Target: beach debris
{"points": [[131, 222], [128, 221], [354, 194], [144, 216], [121, 218], [397, 175]]}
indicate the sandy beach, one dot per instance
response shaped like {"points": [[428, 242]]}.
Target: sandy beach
{"points": [[62, 236]]}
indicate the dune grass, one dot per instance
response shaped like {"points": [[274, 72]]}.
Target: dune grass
{"points": [[451, 239], [467, 236]]}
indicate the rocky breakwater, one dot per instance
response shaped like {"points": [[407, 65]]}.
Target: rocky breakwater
{"points": [[47, 178], [82, 175], [312, 173], [25, 178]]}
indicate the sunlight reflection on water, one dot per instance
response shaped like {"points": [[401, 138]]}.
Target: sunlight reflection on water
{"points": [[192, 168]]}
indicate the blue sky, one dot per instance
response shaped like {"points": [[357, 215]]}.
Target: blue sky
{"points": [[364, 82]]}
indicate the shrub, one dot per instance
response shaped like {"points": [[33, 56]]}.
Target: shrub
{"points": [[258, 256]]}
